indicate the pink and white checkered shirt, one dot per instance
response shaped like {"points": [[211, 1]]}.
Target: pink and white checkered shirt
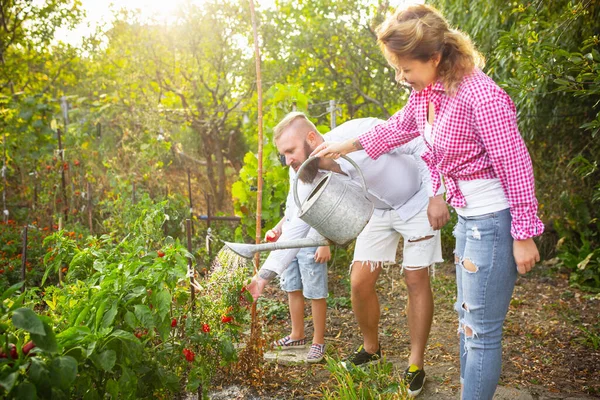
{"points": [[475, 136]]}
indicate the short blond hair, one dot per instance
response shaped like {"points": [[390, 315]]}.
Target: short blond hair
{"points": [[295, 117], [419, 32]]}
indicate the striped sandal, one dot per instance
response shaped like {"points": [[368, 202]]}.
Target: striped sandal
{"points": [[287, 343], [316, 353]]}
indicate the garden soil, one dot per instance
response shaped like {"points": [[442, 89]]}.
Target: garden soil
{"points": [[551, 347]]}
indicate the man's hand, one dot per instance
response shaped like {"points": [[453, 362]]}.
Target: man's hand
{"points": [[336, 149], [272, 235], [526, 254], [437, 212], [323, 254], [256, 286]]}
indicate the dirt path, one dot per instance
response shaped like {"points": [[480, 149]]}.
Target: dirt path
{"points": [[551, 347]]}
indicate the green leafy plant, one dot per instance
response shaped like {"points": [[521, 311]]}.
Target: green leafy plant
{"points": [[378, 381]]}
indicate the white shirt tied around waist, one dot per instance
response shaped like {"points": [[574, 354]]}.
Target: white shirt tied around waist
{"points": [[398, 180]]}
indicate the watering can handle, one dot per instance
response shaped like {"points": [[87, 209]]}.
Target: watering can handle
{"points": [[308, 160]]}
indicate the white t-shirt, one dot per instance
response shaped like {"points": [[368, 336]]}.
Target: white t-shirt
{"points": [[483, 196]]}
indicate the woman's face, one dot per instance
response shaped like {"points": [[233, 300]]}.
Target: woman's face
{"points": [[418, 74]]}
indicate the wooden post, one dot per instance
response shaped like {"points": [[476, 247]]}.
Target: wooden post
{"points": [[89, 208], [208, 218], [62, 173], [188, 231], [60, 273], [190, 196], [4, 170], [255, 327], [332, 110], [24, 257]]}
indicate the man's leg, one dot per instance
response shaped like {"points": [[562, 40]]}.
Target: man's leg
{"points": [[420, 312], [296, 303], [365, 303]]}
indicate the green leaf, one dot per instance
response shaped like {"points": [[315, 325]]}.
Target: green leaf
{"points": [[131, 320], [9, 292], [162, 302], [27, 391], [112, 387], [63, 371], [109, 317], [105, 360], [8, 381], [26, 319], [38, 372], [46, 342], [123, 335], [144, 315]]}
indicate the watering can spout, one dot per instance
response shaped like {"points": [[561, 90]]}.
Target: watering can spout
{"points": [[248, 250]]}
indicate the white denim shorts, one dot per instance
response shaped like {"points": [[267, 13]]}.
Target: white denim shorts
{"points": [[379, 240]]}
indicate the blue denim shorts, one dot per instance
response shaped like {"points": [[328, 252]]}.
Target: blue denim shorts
{"points": [[305, 274]]}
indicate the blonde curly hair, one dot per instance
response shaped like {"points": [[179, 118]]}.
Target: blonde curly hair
{"points": [[420, 32]]}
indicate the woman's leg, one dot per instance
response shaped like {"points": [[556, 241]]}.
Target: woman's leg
{"points": [[487, 281]]}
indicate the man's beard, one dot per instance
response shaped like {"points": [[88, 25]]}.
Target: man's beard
{"points": [[309, 172]]}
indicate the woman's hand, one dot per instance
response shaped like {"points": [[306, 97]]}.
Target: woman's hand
{"points": [[437, 212], [323, 254], [526, 254], [336, 149]]}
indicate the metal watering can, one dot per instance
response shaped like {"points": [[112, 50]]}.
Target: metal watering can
{"points": [[335, 208]]}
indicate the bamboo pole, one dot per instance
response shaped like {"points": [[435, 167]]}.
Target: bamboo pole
{"points": [[255, 330], [24, 257], [260, 136], [4, 172], [62, 176]]}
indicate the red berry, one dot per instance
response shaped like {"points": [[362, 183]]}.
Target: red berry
{"points": [[76, 162], [205, 328], [243, 289], [189, 355], [138, 335], [1, 271], [48, 167], [225, 319], [270, 236], [173, 322], [160, 253], [13, 352], [28, 347]]}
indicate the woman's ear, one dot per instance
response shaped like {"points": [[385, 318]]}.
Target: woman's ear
{"points": [[436, 58]]}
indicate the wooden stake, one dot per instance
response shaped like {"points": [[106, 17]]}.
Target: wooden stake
{"points": [[24, 258], [60, 273], [62, 173], [254, 329], [188, 231], [89, 207], [190, 196]]}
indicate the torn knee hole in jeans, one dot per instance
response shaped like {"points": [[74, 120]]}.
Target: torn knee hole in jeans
{"points": [[468, 331], [469, 266]]}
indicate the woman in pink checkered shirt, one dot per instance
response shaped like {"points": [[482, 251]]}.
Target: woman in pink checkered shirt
{"points": [[473, 143]]}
